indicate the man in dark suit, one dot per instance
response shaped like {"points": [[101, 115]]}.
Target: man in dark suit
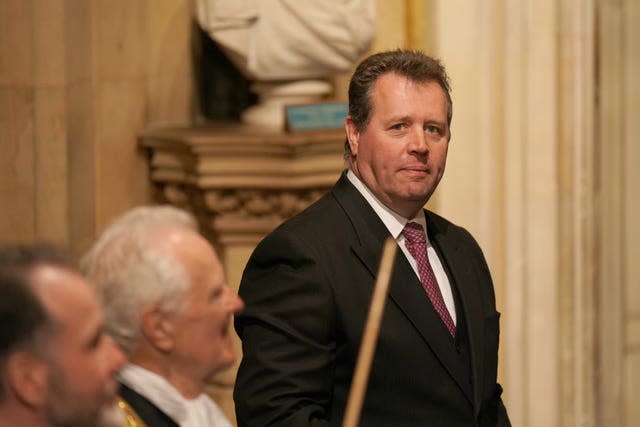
{"points": [[308, 285]]}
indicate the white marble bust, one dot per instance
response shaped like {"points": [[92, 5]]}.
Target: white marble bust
{"points": [[280, 43]]}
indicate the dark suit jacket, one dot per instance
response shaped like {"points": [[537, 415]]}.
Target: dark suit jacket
{"points": [[307, 289]]}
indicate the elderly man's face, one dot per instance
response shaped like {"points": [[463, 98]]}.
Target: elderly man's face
{"points": [[401, 154], [204, 345], [84, 360]]}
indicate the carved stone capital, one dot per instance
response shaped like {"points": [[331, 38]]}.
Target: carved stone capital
{"points": [[239, 181]]}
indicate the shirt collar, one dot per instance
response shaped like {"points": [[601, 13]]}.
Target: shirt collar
{"points": [[156, 389], [200, 411], [394, 222]]}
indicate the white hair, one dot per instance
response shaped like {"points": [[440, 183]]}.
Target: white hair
{"points": [[130, 271]]}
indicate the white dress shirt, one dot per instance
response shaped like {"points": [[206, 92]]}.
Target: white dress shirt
{"points": [[198, 412], [395, 224]]}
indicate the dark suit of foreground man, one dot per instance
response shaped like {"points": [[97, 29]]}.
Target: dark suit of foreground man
{"points": [[308, 285]]}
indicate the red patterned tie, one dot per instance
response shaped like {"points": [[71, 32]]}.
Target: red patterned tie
{"points": [[415, 242]]}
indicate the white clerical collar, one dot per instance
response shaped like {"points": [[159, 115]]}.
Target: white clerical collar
{"points": [[200, 411], [395, 223]]}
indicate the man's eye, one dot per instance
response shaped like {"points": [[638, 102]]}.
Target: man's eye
{"points": [[96, 340], [216, 293], [398, 126], [431, 129]]}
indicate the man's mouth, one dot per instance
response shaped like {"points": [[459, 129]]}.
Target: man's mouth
{"points": [[418, 169]]}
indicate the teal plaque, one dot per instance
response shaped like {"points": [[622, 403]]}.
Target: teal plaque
{"points": [[310, 117]]}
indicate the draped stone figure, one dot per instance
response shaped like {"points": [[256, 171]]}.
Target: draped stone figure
{"points": [[288, 46]]}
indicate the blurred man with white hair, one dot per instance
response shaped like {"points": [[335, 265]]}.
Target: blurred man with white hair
{"points": [[168, 306]]}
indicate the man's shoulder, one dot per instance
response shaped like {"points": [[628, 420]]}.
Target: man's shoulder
{"points": [[311, 227], [322, 212], [444, 228], [440, 223], [324, 225]]}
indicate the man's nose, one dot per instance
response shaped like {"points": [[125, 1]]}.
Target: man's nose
{"points": [[233, 301], [117, 357], [418, 140]]}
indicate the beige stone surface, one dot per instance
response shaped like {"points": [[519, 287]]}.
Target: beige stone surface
{"points": [[120, 39], [170, 61], [632, 171], [78, 42], [631, 212], [391, 25], [82, 164], [49, 68], [75, 90], [17, 180], [50, 165], [16, 43], [120, 167]]}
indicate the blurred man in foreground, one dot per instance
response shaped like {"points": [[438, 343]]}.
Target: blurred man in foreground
{"points": [[167, 304], [57, 365]]}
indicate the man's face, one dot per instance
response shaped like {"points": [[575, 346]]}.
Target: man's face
{"points": [[84, 360], [204, 345], [402, 152]]}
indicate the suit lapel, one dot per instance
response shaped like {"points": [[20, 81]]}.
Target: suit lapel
{"points": [[461, 275], [405, 289], [370, 230], [407, 292]]}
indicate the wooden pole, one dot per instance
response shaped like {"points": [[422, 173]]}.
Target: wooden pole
{"points": [[370, 336]]}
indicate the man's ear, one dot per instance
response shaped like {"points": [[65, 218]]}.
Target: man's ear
{"points": [[158, 328], [28, 378], [353, 135]]}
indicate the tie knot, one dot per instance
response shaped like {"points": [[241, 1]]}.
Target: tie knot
{"points": [[414, 233]]}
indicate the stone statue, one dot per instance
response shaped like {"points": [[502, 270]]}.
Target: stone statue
{"points": [[288, 46]]}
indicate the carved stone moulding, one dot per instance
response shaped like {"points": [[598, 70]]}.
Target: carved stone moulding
{"points": [[240, 181]]}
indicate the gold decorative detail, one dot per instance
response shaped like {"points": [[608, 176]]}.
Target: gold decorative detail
{"points": [[131, 418]]}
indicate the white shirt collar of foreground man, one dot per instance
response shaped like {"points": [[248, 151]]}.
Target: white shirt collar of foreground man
{"points": [[198, 412], [395, 223]]}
